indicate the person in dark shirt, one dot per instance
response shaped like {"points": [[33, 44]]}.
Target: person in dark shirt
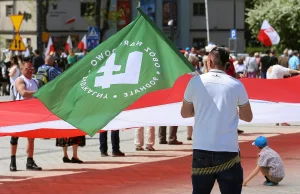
{"points": [[265, 64], [37, 60], [267, 61], [273, 58]]}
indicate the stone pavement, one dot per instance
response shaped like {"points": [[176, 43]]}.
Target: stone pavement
{"points": [[166, 170]]}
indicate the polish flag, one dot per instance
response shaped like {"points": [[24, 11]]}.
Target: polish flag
{"points": [[50, 47], [267, 35], [68, 45], [71, 20], [159, 108], [27, 53], [82, 45]]}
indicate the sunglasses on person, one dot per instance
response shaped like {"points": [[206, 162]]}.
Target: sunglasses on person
{"points": [[29, 68]]}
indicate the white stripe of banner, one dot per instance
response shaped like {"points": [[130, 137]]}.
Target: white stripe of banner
{"points": [[169, 115]]}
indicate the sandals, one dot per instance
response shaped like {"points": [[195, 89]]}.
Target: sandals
{"points": [[150, 148], [139, 149]]}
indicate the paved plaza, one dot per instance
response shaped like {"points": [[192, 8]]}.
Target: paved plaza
{"points": [[166, 170]]}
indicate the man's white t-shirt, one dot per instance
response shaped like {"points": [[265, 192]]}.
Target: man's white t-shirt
{"points": [[30, 85], [215, 97], [277, 72]]}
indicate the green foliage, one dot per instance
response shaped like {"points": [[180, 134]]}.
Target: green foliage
{"points": [[27, 16], [90, 15], [2, 42], [255, 49], [283, 16]]}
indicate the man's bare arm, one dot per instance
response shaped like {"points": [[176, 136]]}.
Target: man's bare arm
{"points": [[187, 109], [245, 112], [20, 86]]}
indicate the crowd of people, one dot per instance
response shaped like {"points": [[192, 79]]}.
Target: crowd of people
{"points": [[266, 65], [216, 67]]}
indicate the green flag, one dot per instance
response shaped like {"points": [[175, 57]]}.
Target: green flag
{"points": [[137, 60]]}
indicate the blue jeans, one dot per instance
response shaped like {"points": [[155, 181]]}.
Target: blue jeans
{"points": [[115, 141], [230, 181], [263, 75]]}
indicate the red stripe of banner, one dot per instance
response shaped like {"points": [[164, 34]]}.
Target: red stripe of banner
{"points": [[274, 90]]}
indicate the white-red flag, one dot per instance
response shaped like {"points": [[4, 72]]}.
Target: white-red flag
{"points": [[71, 20], [163, 106], [27, 53], [68, 45], [82, 44], [267, 35], [50, 47]]}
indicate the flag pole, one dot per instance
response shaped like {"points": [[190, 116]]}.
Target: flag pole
{"points": [[207, 22]]}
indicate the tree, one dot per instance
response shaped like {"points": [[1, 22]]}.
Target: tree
{"points": [[97, 14], [283, 16]]}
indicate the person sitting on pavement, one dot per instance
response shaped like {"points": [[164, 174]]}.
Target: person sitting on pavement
{"points": [[139, 138], [25, 86], [269, 164]]}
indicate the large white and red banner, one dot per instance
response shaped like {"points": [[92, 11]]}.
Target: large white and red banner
{"points": [[272, 101]]}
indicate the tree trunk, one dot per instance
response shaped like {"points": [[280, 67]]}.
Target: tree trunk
{"points": [[105, 26], [44, 14], [97, 13]]}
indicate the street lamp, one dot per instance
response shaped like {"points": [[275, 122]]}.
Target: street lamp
{"points": [[171, 24]]}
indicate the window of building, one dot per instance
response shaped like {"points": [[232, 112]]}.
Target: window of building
{"points": [[9, 10], [169, 12], [199, 9], [87, 9], [199, 43]]}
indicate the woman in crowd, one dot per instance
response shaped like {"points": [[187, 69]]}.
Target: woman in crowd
{"points": [[74, 142], [195, 62], [14, 73], [240, 68], [251, 66], [72, 58]]}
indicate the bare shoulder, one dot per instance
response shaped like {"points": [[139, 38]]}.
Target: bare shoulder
{"points": [[19, 81]]}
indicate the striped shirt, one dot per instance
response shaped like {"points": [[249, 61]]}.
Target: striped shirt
{"points": [[271, 159]]}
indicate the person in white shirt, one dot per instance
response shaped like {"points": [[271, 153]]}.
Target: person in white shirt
{"points": [[241, 68], [139, 138], [217, 101], [26, 86], [14, 73], [278, 72]]}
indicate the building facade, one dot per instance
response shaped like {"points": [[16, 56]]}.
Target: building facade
{"points": [[28, 29], [188, 29]]}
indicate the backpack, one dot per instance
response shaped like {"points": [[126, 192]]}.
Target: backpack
{"points": [[42, 76]]}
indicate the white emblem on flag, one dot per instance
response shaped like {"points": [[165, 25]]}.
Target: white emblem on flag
{"points": [[130, 76]]}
